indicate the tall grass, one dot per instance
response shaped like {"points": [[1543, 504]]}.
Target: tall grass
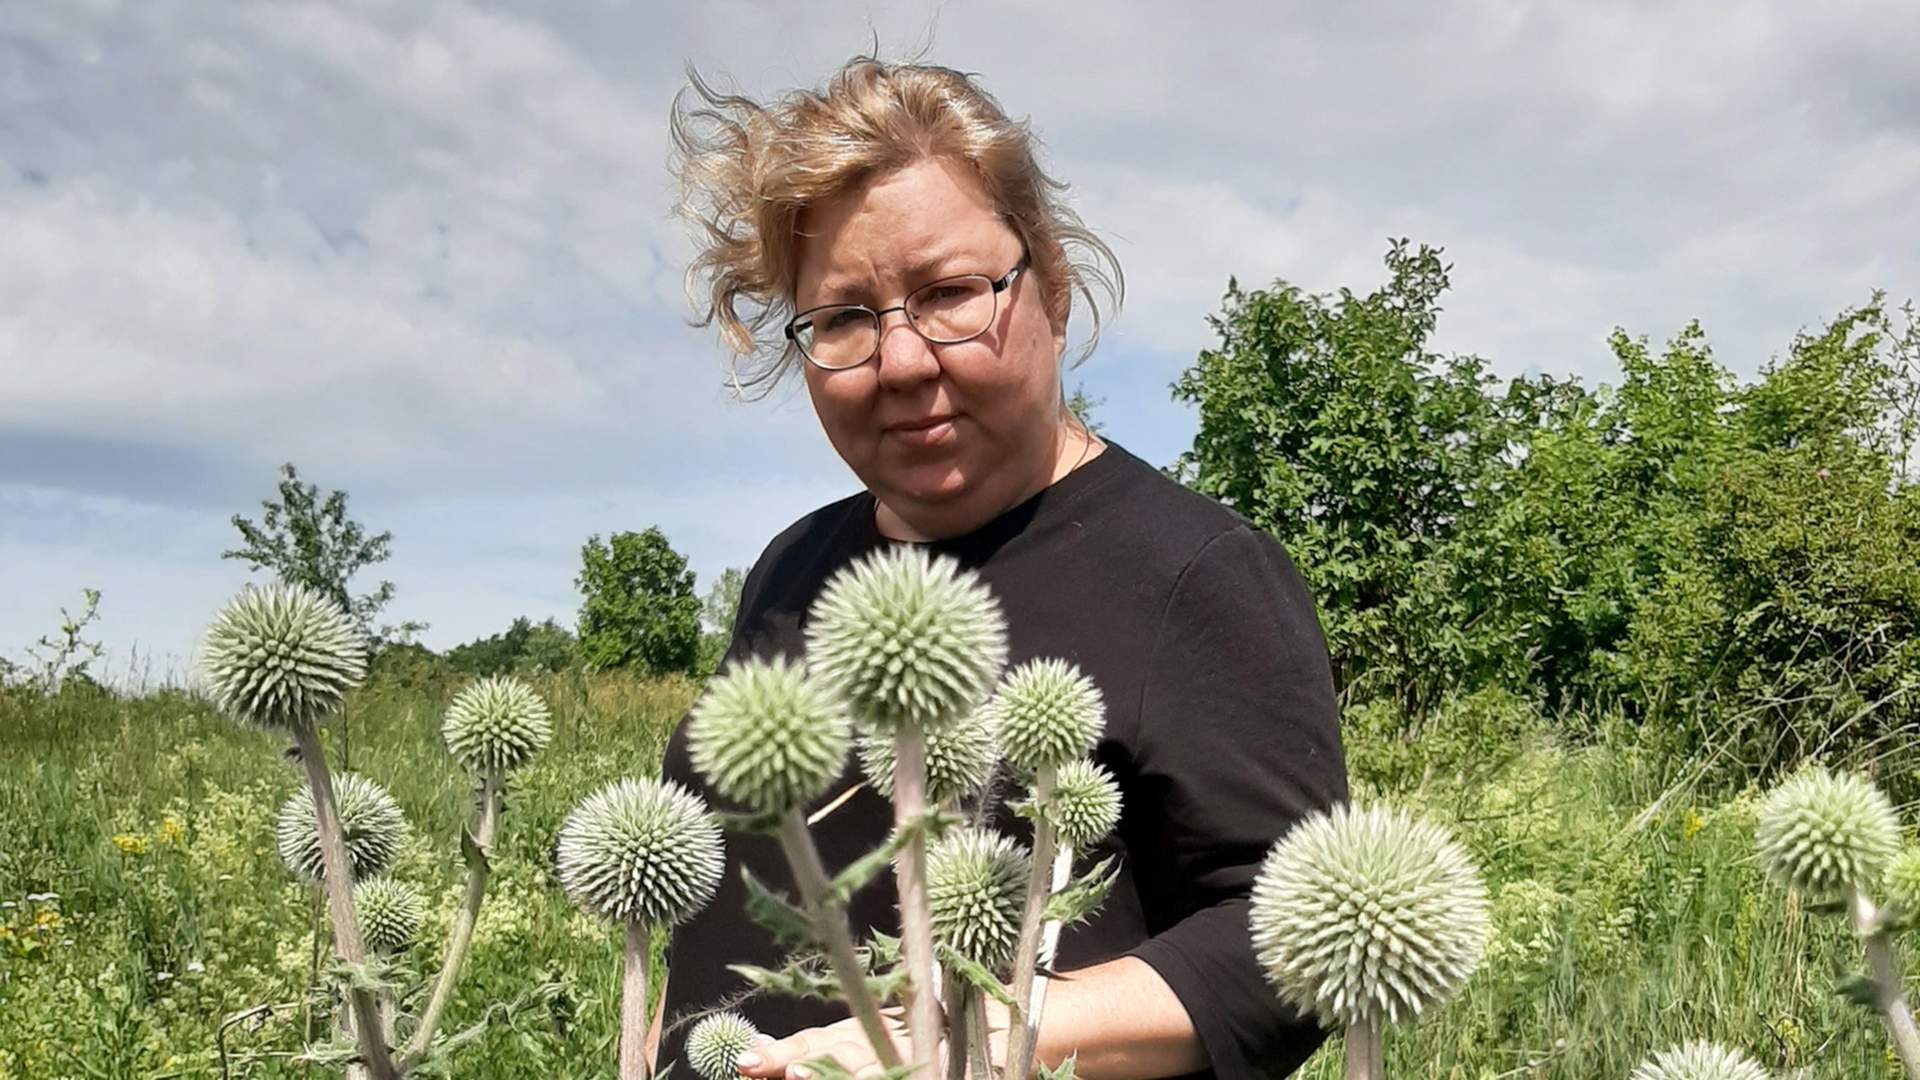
{"points": [[1629, 911]]}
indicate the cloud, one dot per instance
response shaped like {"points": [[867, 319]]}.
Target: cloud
{"points": [[426, 250]]}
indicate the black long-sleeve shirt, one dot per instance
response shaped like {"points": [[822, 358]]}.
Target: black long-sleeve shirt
{"points": [[1220, 728]]}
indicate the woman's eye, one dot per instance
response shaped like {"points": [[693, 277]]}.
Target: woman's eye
{"points": [[947, 292], [840, 320]]}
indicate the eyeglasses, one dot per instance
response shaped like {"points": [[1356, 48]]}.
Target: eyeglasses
{"points": [[945, 312]]}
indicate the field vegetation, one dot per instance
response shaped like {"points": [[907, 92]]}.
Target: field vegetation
{"points": [[1584, 629]]}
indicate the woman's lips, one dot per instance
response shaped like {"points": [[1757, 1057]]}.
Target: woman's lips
{"points": [[931, 432]]}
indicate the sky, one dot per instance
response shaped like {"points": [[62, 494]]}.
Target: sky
{"points": [[426, 252]]}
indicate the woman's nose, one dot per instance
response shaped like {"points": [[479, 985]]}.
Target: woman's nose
{"points": [[905, 356]]}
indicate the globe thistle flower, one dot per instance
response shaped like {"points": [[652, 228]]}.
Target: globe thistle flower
{"points": [[1903, 882], [907, 638], [1364, 915], [768, 736], [389, 912], [717, 1041], [960, 759], [1085, 805], [1046, 714], [1824, 834], [1700, 1061], [976, 885], [281, 656], [496, 725], [640, 851], [370, 821]]}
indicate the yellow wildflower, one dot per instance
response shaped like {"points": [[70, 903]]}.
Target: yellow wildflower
{"points": [[1693, 825], [131, 844], [171, 831]]}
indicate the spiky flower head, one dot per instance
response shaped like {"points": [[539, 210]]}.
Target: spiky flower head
{"points": [[370, 821], [1085, 805], [1700, 1061], [1368, 915], [1825, 833], [1046, 713], [389, 912], [906, 637], [496, 725], [976, 883], [768, 736], [1903, 881], [717, 1041], [640, 851], [281, 656], [960, 759]]}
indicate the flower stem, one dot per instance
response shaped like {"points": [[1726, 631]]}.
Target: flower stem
{"points": [[830, 923], [1366, 1056], [1885, 972], [337, 881], [460, 940], [979, 1039], [910, 872], [957, 1030], [1024, 1023], [633, 1006], [1049, 943]]}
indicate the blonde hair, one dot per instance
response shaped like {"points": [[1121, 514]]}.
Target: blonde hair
{"points": [[747, 170]]}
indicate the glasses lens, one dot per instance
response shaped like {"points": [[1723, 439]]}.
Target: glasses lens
{"points": [[839, 337], [953, 310]]}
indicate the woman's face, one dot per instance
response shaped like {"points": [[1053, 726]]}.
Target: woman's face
{"points": [[944, 436]]}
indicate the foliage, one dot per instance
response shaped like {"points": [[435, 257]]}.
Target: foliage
{"points": [[66, 654], [718, 609], [307, 540], [640, 611], [523, 648], [1738, 563]]}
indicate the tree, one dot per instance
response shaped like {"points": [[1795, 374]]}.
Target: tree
{"points": [[307, 540], [717, 613], [523, 648], [640, 611], [1082, 406]]}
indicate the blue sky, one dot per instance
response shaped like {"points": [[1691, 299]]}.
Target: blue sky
{"points": [[424, 250]]}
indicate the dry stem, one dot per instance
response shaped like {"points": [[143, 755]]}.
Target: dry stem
{"points": [[830, 924], [1366, 1055], [1024, 1023], [633, 1006], [337, 881], [916, 915], [1887, 995]]}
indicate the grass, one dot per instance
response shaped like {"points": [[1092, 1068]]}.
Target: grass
{"points": [[1619, 931]]}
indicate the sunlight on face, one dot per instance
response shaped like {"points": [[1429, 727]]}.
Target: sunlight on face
{"points": [[945, 436]]}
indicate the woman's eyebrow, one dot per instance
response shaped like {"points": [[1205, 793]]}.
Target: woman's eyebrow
{"points": [[923, 270]]}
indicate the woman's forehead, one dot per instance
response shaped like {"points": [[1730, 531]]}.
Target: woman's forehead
{"points": [[906, 224]]}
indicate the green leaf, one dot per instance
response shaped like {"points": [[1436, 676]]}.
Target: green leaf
{"points": [[790, 927], [1861, 990], [975, 974], [882, 953], [1084, 896], [869, 866], [749, 824], [1064, 1072], [472, 851]]}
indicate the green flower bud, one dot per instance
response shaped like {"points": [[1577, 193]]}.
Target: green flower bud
{"points": [[716, 1042], [1824, 834], [389, 912], [1700, 1061], [496, 725], [641, 851], [1046, 714], [960, 759], [1085, 805], [370, 821], [1368, 915], [282, 656], [768, 736], [906, 638], [976, 885], [1903, 882]]}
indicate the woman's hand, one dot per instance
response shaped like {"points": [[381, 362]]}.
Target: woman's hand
{"points": [[846, 1043]]}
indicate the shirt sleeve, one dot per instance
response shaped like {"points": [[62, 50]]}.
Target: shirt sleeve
{"points": [[1238, 739]]}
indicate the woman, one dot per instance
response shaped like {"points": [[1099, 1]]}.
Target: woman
{"points": [[894, 240]]}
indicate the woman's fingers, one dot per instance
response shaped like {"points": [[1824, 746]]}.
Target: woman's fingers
{"points": [[851, 1056], [772, 1058]]}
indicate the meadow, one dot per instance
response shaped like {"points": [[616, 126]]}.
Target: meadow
{"points": [[145, 905]]}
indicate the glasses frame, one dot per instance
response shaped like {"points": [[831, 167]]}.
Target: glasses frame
{"points": [[997, 285]]}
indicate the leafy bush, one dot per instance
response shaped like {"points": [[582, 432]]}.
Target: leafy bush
{"points": [[640, 611]]}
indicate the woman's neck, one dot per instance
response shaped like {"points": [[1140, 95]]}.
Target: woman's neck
{"points": [[1078, 447]]}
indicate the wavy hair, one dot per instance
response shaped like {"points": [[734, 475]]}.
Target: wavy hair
{"points": [[746, 171]]}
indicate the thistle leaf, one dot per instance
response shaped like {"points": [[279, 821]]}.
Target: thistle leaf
{"points": [[790, 927], [975, 974], [1083, 896]]}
